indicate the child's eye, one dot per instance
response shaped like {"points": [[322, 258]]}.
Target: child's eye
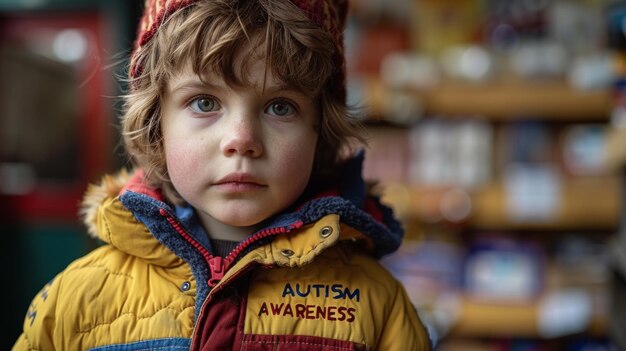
{"points": [[280, 108], [204, 104]]}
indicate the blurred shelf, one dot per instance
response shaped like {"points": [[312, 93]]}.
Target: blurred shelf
{"points": [[547, 100], [586, 203], [616, 147], [499, 100], [478, 319]]}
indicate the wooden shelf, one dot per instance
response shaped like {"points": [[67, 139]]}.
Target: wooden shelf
{"points": [[480, 319], [616, 148], [591, 203], [585, 204], [477, 319], [499, 100], [546, 100]]}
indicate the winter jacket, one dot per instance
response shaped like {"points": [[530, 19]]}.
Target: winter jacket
{"points": [[309, 280]]}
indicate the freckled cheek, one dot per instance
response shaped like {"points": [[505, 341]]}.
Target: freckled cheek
{"points": [[296, 162], [181, 161]]}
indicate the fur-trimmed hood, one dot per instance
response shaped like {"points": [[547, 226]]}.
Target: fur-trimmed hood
{"points": [[109, 186]]}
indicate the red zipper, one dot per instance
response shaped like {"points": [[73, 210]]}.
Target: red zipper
{"points": [[217, 264]]}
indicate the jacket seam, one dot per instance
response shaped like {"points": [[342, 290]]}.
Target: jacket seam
{"points": [[30, 346], [108, 229], [297, 343], [312, 251], [83, 331], [145, 348], [105, 268], [157, 348]]}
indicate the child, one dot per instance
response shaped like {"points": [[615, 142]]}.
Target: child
{"points": [[243, 227]]}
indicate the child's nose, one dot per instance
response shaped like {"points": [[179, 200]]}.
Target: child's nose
{"points": [[242, 138]]}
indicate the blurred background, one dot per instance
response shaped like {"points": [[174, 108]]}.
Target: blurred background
{"points": [[497, 132], [59, 60]]}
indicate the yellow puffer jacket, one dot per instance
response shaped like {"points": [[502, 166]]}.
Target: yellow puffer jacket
{"points": [[308, 281]]}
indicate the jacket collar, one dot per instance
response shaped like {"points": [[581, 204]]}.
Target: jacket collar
{"points": [[131, 220]]}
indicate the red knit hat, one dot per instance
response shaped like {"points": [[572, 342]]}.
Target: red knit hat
{"points": [[328, 14]]}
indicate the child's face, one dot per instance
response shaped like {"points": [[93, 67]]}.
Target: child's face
{"points": [[238, 155]]}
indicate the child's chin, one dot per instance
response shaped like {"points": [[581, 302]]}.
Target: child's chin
{"points": [[250, 222]]}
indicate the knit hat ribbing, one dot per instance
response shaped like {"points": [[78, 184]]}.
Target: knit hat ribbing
{"points": [[327, 14]]}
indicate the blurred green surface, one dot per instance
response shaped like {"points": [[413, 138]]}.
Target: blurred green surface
{"points": [[34, 255]]}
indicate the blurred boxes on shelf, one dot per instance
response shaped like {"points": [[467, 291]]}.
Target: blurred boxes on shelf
{"points": [[504, 270], [427, 269]]}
